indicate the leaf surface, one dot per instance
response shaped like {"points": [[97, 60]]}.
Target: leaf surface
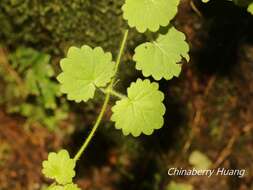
{"points": [[142, 111], [60, 167], [84, 69], [70, 186], [160, 58], [250, 8], [149, 14]]}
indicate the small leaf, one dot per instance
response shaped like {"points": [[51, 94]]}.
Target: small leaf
{"points": [[60, 167], [179, 186], [250, 8], [199, 160], [55, 187], [160, 59], [149, 14], [65, 187], [71, 187], [205, 1], [84, 69], [142, 111]]}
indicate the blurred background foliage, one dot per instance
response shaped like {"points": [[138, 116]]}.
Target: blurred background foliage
{"points": [[30, 88], [53, 25], [38, 33]]}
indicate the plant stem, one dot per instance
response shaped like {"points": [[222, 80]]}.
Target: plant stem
{"points": [[106, 101], [123, 43], [113, 92], [100, 116]]}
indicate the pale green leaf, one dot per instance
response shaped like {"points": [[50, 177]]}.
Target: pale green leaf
{"points": [[161, 58], [70, 186], [199, 160], [149, 14], [55, 187], [179, 186], [84, 69], [142, 111], [60, 167], [250, 8]]}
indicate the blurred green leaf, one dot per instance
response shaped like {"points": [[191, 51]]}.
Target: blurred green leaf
{"points": [[199, 160], [40, 88], [250, 8], [179, 186]]}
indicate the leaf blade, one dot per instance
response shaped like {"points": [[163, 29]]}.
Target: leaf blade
{"points": [[160, 59], [59, 166], [149, 14], [143, 105], [84, 69]]}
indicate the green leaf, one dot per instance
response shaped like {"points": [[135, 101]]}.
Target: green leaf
{"points": [[65, 187], [38, 78], [160, 58], [199, 160], [55, 187], [84, 69], [250, 8], [179, 186], [60, 167], [71, 187], [142, 111], [149, 14], [49, 91]]}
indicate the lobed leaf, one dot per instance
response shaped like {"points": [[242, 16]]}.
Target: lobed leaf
{"points": [[60, 167], [149, 14], [142, 111], [160, 58], [84, 69]]}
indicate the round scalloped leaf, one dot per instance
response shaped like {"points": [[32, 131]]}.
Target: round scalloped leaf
{"points": [[59, 166], [142, 111], [149, 14], [160, 58], [84, 69]]}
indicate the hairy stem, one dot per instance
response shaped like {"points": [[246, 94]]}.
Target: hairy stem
{"points": [[106, 101]]}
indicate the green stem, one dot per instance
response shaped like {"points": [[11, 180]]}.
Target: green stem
{"points": [[106, 101], [123, 43], [113, 92], [100, 116]]}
